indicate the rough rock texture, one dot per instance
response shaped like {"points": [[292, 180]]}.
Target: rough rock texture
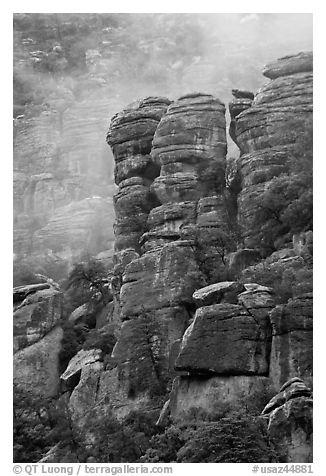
{"points": [[291, 353], [262, 132], [293, 388], [83, 397], [130, 137], [193, 132], [300, 63], [214, 395], [38, 308], [214, 293], [241, 259], [181, 146], [242, 101], [217, 329], [142, 365], [160, 278], [36, 367], [212, 236], [290, 422], [80, 360]]}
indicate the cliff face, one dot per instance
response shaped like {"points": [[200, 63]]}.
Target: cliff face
{"points": [[207, 312], [37, 338], [189, 216], [69, 79], [63, 171], [268, 134]]}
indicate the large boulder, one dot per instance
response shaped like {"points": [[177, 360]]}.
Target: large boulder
{"points": [[214, 293], [218, 328]]}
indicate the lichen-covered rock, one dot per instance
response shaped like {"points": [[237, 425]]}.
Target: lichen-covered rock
{"points": [[38, 313], [160, 278], [36, 367], [291, 353], [217, 329]]}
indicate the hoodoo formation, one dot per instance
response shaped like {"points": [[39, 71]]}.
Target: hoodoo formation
{"points": [[210, 297]]}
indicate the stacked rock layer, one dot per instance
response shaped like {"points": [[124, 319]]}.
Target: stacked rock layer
{"points": [[267, 130], [158, 227]]}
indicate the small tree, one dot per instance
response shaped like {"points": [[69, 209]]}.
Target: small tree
{"points": [[92, 278], [285, 206]]}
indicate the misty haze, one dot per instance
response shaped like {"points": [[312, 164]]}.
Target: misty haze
{"points": [[162, 237]]}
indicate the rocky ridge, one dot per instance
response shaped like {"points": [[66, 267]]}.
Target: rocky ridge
{"points": [[176, 310]]}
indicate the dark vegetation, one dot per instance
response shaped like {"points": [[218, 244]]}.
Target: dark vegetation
{"points": [[286, 205], [286, 208], [38, 425], [88, 284], [231, 436]]}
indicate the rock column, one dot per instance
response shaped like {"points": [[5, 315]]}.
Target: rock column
{"points": [[267, 131]]}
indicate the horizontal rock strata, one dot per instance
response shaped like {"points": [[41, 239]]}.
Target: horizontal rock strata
{"points": [[264, 132]]}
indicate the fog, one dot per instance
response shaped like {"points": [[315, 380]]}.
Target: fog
{"points": [[72, 72], [138, 55]]}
